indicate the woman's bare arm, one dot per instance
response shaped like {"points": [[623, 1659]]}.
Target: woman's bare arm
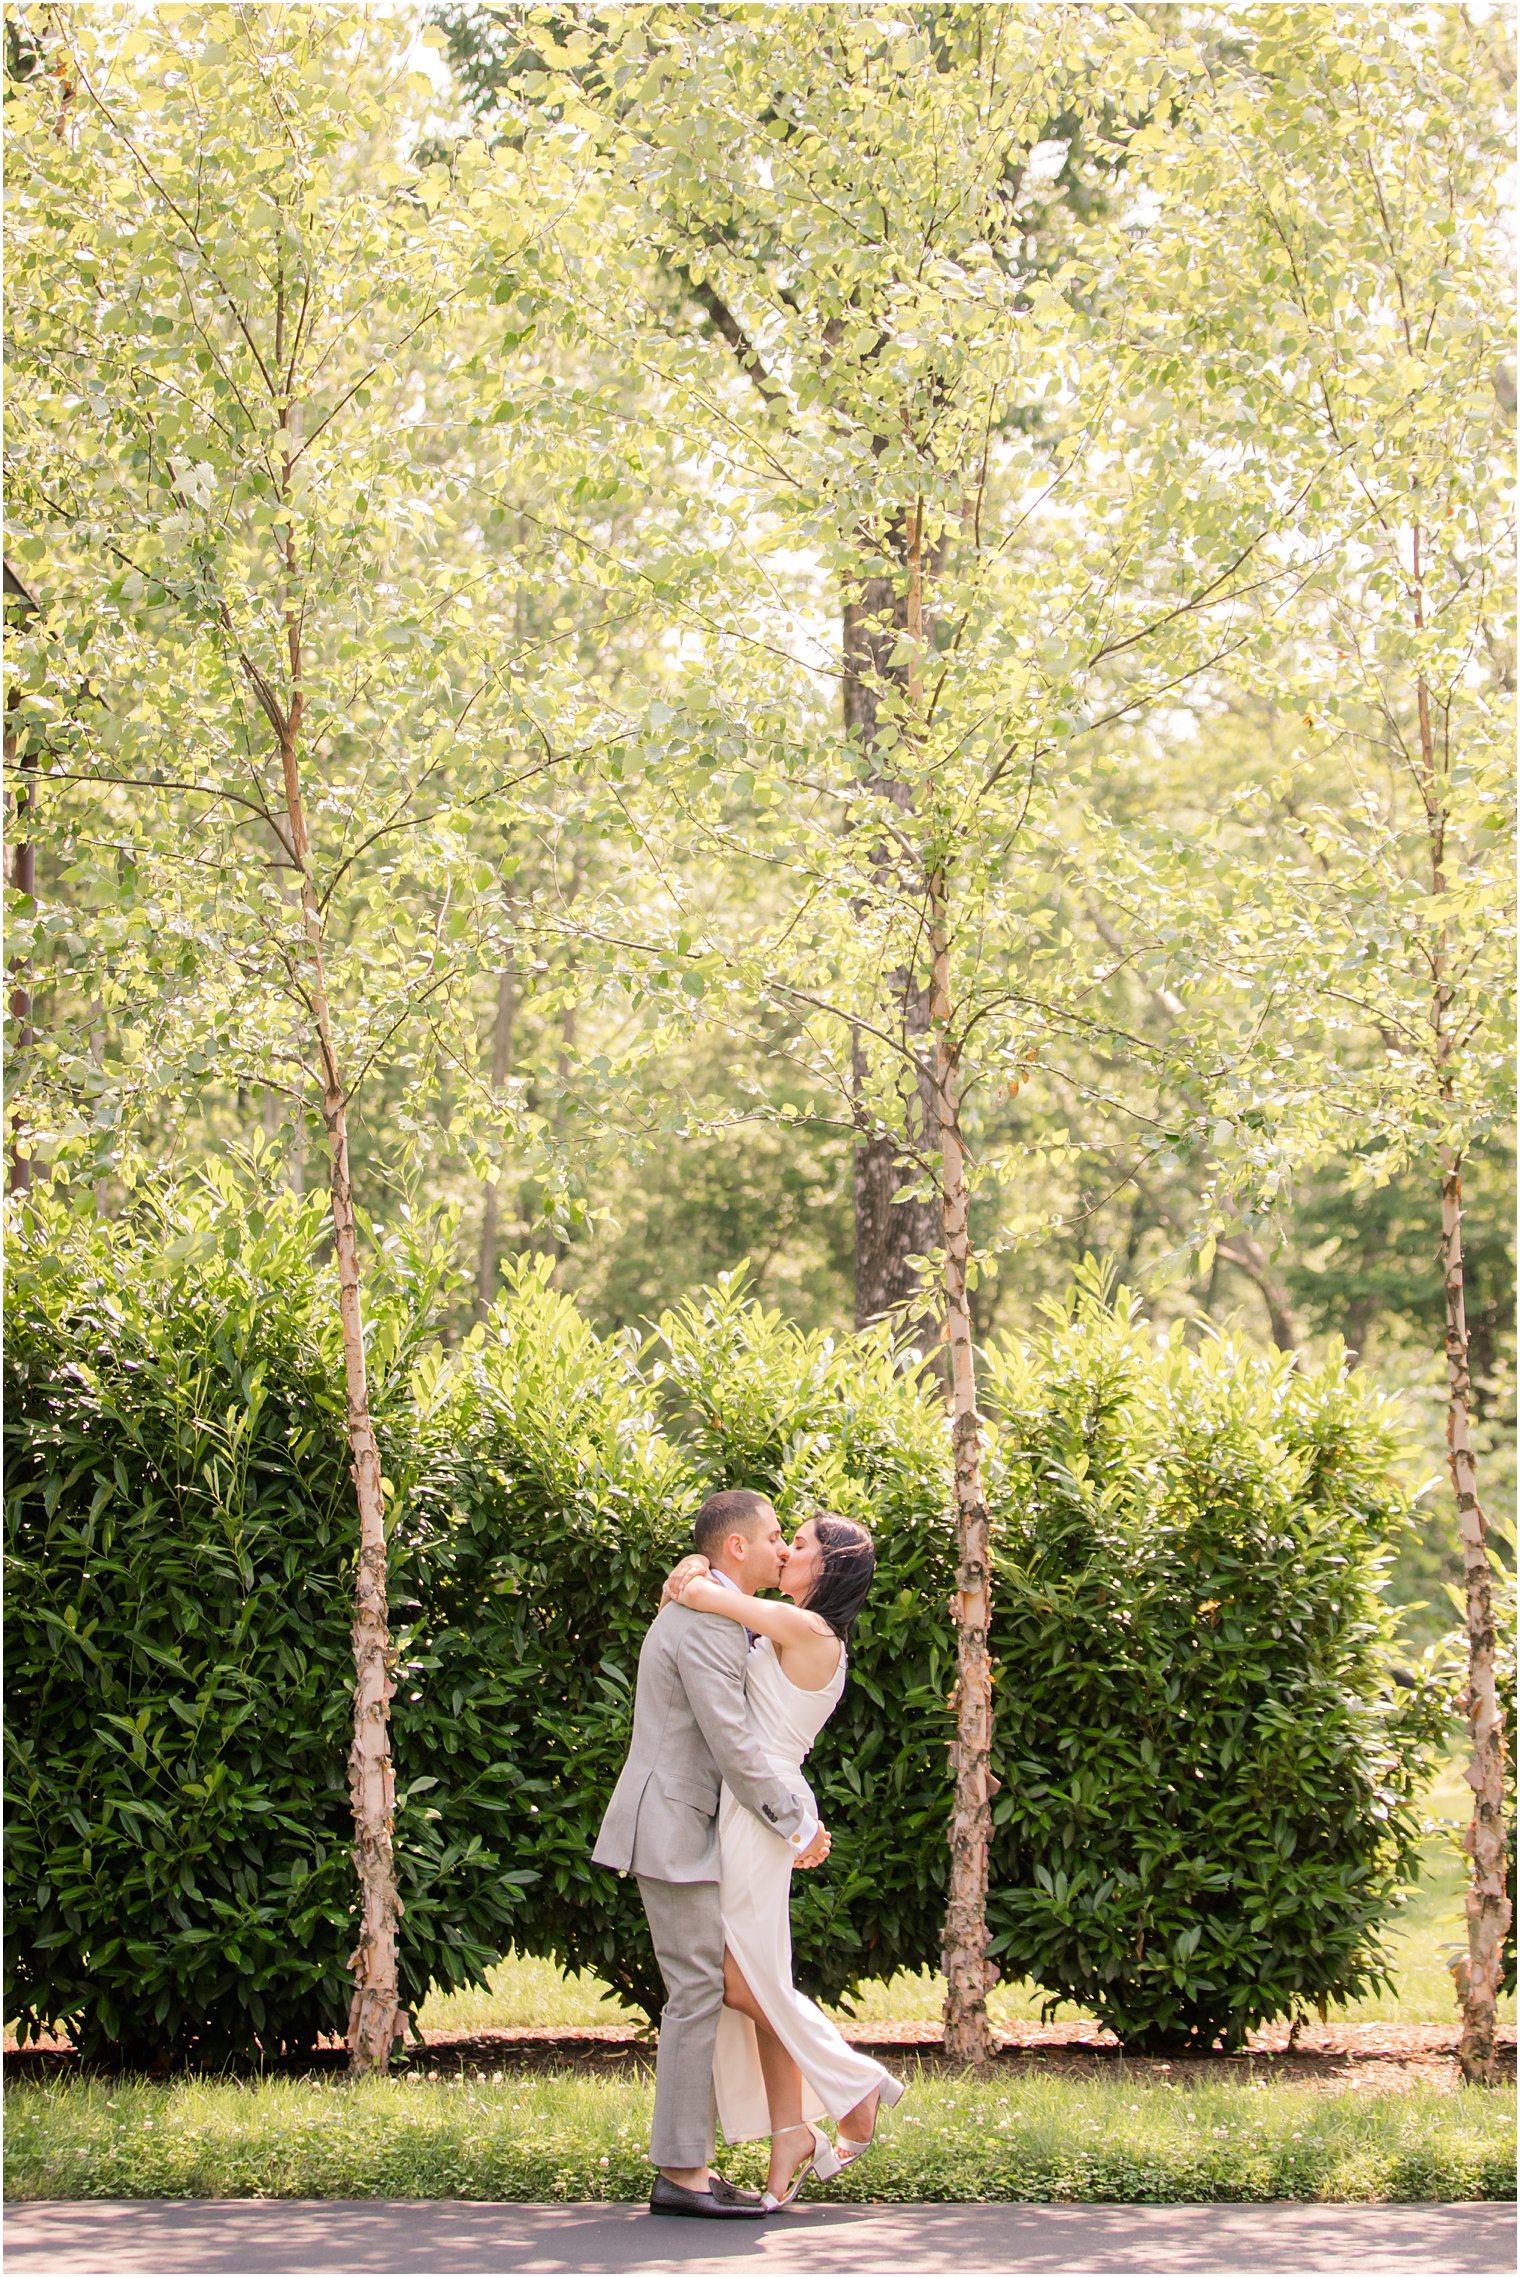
{"points": [[762, 1616]]}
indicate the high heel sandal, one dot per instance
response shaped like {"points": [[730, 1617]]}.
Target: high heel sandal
{"points": [[890, 2092], [822, 2160]]}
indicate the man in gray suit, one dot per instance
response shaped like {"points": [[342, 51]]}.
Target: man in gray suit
{"points": [[690, 1735]]}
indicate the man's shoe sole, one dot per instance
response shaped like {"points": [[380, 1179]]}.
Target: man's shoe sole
{"points": [[712, 2212]]}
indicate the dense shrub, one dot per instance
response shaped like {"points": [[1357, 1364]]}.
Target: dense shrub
{"points": [[179, 1550], [818, 1420], [570, 1501], [538, 1571], [1206, 1775], [1210, 1773]]}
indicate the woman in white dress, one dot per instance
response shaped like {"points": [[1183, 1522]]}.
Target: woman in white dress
{"points": [[780, 2064]]}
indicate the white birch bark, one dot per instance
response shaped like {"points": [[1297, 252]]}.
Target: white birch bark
{"points": [[375, 2017], [968, 1973], [1487, 1904]]}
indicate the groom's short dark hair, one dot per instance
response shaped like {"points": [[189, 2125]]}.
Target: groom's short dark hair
{"points": [[738, 1510]]}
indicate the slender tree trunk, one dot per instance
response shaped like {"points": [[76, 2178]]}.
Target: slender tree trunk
{"points": [[968, 1974], [24, 881], [1488, 1905], [1246, 1254], [20, 604], [375, 2018], [501, 1062], [887, 1233], [275, 1111]]}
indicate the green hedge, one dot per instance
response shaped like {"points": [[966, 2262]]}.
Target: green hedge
{"points": [[572, 1500], [1205, 1811], [179, 1570], [1211, 1777]]}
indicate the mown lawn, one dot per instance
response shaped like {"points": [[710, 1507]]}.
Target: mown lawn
{"points": [[1431, 1929], [1120, 2139], [1127, 2137]]}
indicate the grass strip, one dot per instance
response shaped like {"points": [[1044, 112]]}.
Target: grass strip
{"points": [[532, 2140]]}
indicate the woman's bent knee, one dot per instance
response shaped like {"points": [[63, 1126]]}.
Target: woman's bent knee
{"points": [[736, 1992]]}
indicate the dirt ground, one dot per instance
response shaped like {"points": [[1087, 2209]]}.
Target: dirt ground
{"points": [[1361, 2058]]}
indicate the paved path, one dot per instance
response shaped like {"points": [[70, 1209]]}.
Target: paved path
{"points": [[289, 2238]]}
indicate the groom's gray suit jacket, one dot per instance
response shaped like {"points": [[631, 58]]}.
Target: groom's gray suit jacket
{"points": [[690, 1733]]}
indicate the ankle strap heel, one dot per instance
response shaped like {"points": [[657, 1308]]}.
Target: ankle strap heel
{"points": [[822, 2160]]}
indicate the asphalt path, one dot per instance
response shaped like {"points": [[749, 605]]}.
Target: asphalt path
{"points": [[289, 2238]]}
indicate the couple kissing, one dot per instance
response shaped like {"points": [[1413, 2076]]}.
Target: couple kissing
{"points": [[711, 1813]]}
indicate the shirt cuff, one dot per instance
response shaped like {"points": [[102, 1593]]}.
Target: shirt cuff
{"points": [[805, 1832]]}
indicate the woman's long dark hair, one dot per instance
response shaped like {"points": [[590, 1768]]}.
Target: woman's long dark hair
{"points": [[849, 1566]]}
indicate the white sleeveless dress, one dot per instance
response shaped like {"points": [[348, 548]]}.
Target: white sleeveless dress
{"points": [[755, 1880]]}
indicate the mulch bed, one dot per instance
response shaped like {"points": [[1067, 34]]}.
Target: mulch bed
{"points": [[1364, 2058]]}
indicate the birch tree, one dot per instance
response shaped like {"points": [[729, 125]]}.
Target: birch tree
{"points": [[722, 248], [1357, 182], [233, 297], [1066, 540]]}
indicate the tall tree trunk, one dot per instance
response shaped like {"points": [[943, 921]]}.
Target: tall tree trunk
{"points": [[291, 1114], [19, 605], [24, 882], [887, 1233], [375, 2017], [968, 1973], [501, 1062], [1488, 1905], [1246, 1254]]}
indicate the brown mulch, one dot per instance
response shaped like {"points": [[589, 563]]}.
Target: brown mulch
{"points": [[1364, 2058]]}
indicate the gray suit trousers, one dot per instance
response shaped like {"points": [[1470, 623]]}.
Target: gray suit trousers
{"points": [[686, 1924]]}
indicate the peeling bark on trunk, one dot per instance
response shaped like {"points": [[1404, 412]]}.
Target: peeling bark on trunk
{"points": [[1488, 1905], [969, 1975], [375, 2019]]}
